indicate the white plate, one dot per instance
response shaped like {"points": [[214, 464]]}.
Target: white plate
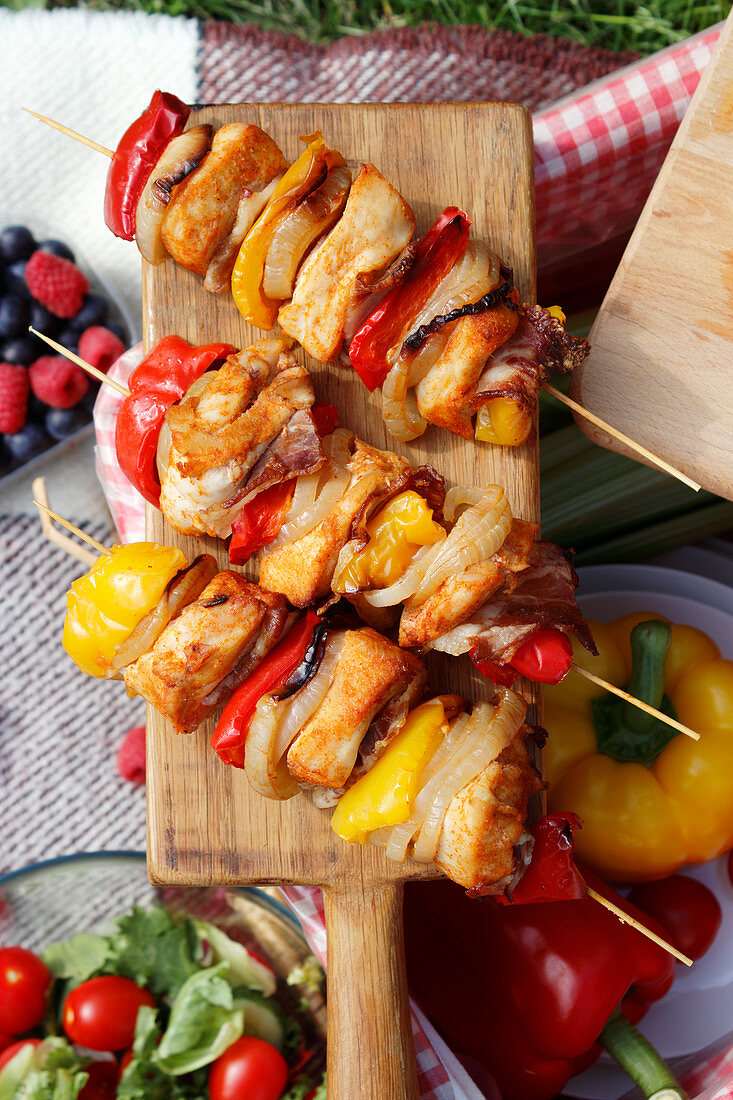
{"points": [[698, 1010]]}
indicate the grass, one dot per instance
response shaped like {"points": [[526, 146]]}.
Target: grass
{"points": [[614, 24]]}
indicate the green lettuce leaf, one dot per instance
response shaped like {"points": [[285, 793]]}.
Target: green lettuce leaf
{"points": [[244, 970], [52, 1071], [143, 1079], [79, 958], [203, 1022]]}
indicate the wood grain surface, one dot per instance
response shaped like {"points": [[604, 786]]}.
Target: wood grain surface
{"points": [[661, 364], [205, 825]]}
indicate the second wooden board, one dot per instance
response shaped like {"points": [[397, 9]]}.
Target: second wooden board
{"points": [[205, 824]]}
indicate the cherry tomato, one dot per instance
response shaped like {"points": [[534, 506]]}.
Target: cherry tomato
{"points": [[250, 1068], [24, 982], [5, 1041], [9, 1053], [685, 907], [100, 1014], [102, 1083]]}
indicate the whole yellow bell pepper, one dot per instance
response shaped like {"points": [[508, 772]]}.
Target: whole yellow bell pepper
{"points": [[107, 603], [385, 794], [651, 799], [396, 532]]}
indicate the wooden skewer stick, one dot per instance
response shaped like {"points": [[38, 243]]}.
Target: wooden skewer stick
{"points": [[52, 534], [98, 546], [98, 374], [606, 427], [623, 916], [72, 133], [637, 702]]}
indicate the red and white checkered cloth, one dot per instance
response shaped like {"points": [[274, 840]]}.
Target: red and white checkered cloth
{"points": [[597, 154]]}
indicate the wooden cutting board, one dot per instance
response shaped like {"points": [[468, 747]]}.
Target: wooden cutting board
{"points": [[661, 364], [205, 825]]}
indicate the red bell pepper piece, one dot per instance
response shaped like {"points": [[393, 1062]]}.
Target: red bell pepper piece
{"points": [[438, 251], [260, 521], [326, 418], [135, 157], [528, 989], [545, 657], [162, 379], [551, 874], [232, 728]]}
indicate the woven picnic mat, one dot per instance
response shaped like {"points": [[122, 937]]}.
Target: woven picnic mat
{"points": [[429, 63]]}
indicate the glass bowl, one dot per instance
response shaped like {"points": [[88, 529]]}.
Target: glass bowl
{"points": [[56, 899]]}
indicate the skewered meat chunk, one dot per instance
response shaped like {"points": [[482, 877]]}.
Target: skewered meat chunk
{"points": [[485, 821], [375, 227], [215, 206], [302, 570], [370, 673], [209, 643], [213, 439], [463, 593]]}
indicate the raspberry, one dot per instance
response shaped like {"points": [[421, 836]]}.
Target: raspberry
{"points": [[100, 347], [56, 283], [13, 397], [131, 756], [58, 382]]}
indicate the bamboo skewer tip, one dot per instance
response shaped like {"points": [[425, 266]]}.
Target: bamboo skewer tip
{"points": [[95, 373], [98, 546], [71, 133], [650, 456], [626, 918], [636, 702]]}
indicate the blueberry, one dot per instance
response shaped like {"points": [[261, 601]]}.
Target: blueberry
{"points": [[93, 312], [43, 320], [87, 401], [13, 317], [27, 443], [68, 338], [16, 243], [120, 331], [57, 248], [62, 422], [22, 350], [36, 410], [15, 279]]}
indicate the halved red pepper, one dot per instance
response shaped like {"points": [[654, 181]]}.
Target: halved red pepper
{"points": [[135, 157], [545, 657], [438, 251], [162, 379], [232, 728], [260, 520]]}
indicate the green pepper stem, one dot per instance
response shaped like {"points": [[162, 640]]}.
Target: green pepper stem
{"points": [[638, 1057], [649, 648]]}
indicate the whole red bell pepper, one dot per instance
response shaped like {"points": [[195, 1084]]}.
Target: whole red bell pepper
{"points": [[437, 252], [545, 657], [162, 379], [232, 728], [528, 989], [135, 157]]}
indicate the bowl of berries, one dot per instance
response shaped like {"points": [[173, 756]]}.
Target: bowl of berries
{"points": [[47, 286]]}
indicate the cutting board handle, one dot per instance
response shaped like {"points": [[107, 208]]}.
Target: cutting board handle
{"points": [[370, 1052]]}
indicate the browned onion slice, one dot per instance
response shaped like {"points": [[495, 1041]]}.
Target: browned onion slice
{"points": [[312, 217], [180, 157]]}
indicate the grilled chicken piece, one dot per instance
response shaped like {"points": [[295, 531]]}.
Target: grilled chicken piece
{"points": [[211, 642], [216, 205], [302, 570], [376, 226], [215, 437], [485, 821], [460, 595], [371, 672], [444, 396], [543, 595]]}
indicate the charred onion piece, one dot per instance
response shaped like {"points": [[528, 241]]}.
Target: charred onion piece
{"points": [[183, 154], [493, 298]]}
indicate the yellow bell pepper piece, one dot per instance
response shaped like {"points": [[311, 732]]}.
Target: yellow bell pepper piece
{"points": [[385, 795], [646, 820], [501, 420], [249, 267], [396, 532], [107, 603]]}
